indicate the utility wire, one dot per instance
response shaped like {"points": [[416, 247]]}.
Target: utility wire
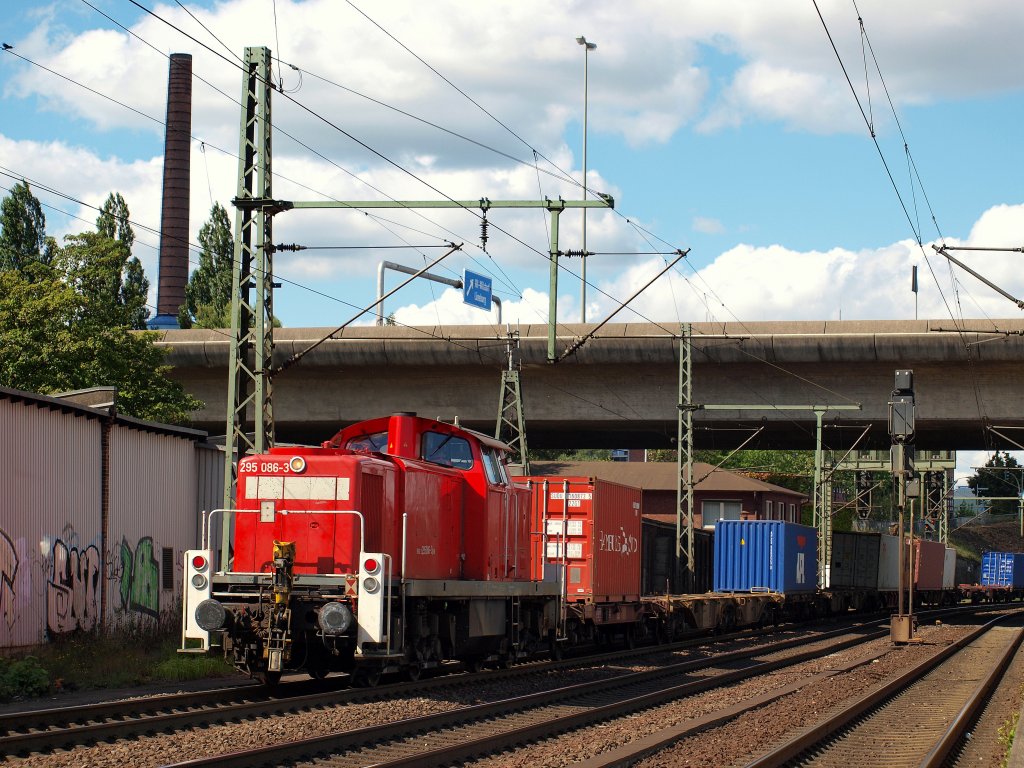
{"points": [[914, 229], [235, 101], [569, 271]]}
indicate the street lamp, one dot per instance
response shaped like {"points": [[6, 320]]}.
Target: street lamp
{"points": [[587, 48]]}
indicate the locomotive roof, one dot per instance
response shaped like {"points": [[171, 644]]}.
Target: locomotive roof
{"points": [[370, 424]]}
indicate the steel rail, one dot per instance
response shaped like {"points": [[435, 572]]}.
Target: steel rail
{"points": [[967, 715], [805, 741], [466, 747], [47, 729]]}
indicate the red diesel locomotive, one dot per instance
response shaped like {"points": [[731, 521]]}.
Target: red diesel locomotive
{"points": [[398, 544]]}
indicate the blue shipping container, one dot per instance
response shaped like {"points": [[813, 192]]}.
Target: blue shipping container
{"points": [[1002, 569], [765, 556]]}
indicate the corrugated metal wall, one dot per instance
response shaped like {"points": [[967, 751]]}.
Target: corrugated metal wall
{"points": [[51, 575], [209, 489], [68, 564], [150, 524]]}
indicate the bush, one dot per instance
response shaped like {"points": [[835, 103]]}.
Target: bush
{"points": [[22, 678]]}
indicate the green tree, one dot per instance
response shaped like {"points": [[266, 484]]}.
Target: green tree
{"points": [[208, 293], [114, 220], [53, 342], [131, 289], [1000, 476], [23, 241], [64, 330], [107, 277], [570, 454]]}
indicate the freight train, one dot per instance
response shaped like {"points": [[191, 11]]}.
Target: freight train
{"points": [[402, 543]]}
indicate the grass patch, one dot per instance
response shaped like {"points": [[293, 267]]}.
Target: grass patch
{"points": [[191, 666], [1007, 731], [22, 678], [85, 662]]}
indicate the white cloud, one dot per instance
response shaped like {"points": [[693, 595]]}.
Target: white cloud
{"points": [[649, 77], [449, 309], [708, 225], [774, 282], [796, 98]]}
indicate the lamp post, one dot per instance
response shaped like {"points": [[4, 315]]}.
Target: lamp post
{"points": [[587, 48]]}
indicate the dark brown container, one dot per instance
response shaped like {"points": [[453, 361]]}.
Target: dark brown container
{"points": [[662, 573]]}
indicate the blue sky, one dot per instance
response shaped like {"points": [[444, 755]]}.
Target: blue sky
{"points": [[722, 126]]}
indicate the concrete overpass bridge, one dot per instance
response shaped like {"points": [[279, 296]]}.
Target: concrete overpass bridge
{"points": [[620, 389]]}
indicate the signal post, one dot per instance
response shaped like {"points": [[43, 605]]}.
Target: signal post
{"points": [[901, 430]]}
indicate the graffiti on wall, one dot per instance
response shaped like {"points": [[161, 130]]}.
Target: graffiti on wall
{"points": [[140, 578], [8, 573], [72, 593]]}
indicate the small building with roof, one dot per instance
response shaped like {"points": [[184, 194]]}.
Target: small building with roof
{"points": [[718, 494]]}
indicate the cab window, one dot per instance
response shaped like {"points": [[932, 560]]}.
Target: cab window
{"points": [[447, 450], [376, 442], [493, 468]]}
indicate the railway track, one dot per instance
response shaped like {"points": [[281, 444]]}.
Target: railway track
{"points": [[919, 719], [44, 730], [467, 732]]}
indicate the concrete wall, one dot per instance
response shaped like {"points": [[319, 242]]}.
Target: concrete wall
{"points": [[621, 389]]}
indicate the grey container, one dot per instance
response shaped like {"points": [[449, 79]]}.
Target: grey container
{"points": [[854, 560]]}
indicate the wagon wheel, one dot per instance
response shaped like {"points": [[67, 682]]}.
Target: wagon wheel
{"points": [[413, 672], [270, 679], [318, 673], [555, 650], [366, 678]]}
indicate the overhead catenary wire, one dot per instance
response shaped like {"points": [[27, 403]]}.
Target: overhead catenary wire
{"points": [[495, 357], [194, 247], [505, 126], [376, 153], [638, 313], [278, 175], [881, 154]]}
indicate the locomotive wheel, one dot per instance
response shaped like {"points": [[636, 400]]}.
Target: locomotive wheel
{"points": [[472, 665], [413, 672], [318, 673]]}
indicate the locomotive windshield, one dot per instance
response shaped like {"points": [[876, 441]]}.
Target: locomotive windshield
{"points": [[378, 441], [447, 450]]}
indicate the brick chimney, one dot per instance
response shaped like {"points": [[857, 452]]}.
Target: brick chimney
{"points": [[175, 207]]}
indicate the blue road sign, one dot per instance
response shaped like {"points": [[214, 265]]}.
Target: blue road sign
{"points": [[476, 290]]}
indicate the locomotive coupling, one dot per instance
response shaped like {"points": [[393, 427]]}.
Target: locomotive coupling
{"points": [[284, 559]]}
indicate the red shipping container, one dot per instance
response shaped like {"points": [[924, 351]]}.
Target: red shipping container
{"points": [[929, 561], [592, 528]]}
